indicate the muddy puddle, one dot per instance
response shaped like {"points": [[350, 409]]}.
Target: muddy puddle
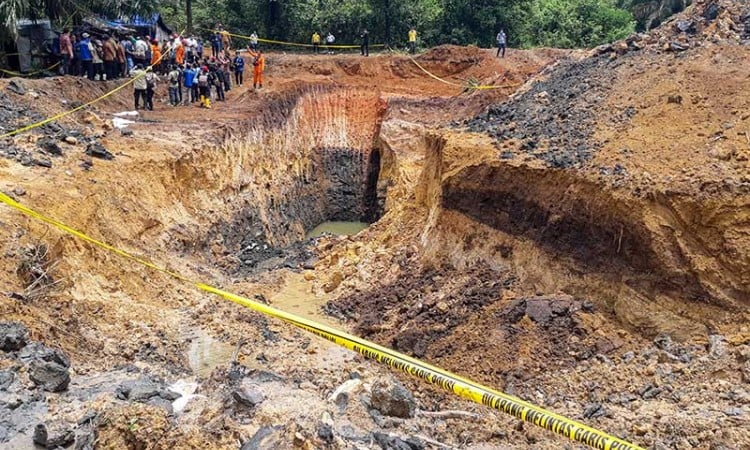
{"points": [[337, 228], [296, 297], [206, 353]]}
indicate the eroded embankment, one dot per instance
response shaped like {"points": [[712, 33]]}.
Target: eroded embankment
{"points": [[293, 170]]}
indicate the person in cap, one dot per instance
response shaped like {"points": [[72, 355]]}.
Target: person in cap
{"points": [[87, 58]]}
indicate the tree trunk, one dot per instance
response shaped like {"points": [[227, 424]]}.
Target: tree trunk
{"points": [[189, 14], [387, 12]]}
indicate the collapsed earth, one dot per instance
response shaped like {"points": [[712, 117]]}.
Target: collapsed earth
{"points": [[575, 233]]}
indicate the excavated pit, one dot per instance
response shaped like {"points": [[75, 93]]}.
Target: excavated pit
{"points": [[325, 142], [530, 279]]}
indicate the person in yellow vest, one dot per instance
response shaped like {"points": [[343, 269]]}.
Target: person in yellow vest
{"points": [[316, 42], [412, 40]]}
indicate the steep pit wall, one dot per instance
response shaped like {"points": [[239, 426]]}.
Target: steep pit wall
{"points": [[306, 162], [659, 263]]}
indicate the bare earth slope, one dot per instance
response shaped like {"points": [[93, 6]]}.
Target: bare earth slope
{"points": [[579, 238]]}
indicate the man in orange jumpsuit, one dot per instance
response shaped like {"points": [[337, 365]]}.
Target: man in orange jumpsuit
{"points": [[155, 56], [259, 64], [179, 52]]}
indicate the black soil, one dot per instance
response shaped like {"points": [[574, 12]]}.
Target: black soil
{"points": [[555, 119]]}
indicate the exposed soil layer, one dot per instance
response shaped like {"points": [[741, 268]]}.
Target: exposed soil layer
{"points": [[583, 244]]}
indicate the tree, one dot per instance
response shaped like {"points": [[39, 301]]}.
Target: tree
{"points": [[576, 23]]}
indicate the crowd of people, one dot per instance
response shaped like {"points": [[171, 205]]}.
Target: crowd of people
{"points": [[191, 76]]}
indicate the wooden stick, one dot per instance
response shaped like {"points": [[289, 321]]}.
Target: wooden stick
{"points": [[450, 414], [433, 442]]}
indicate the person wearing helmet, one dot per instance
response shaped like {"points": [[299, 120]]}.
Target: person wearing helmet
{"points": [[259, 65]]}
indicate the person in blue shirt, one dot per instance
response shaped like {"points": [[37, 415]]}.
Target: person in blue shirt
{"points": [[87, 57], [189, 76], [216, 43], [239, 68]]}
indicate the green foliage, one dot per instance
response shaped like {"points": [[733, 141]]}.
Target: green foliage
{"points": [[558, 23], [576, 23]]}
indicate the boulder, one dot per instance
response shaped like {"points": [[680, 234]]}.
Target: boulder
{"points": [[53, 435], [13, 336], [393, 399], [39, 351], [6, 379], [248, 395], [49, 375], [97, 150]]}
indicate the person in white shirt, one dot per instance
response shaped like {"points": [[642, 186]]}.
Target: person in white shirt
{"points": [[330, 39], [501, 43]]}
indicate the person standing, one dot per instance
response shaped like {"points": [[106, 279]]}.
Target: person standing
{"points": [[254, 41], [155, 56], [141, 50], [315, 42], [174, 86], [87, 57], [199, 48], [412, 41], [120, 65], [151, 80], [109, 56], [226, 40], [216, 43], [202, 80], [259, 65], [139, 85], [224, 62], [127, 46], [330, 39], [189, 76], [239, 68], [96, 53], [66, 51], [179, 52], [365, 49], [501, 43]]}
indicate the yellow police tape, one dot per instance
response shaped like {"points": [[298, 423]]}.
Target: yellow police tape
{"points": [[462, 86], [29, 74], [85, 105], [467, 389], [294, 44]]}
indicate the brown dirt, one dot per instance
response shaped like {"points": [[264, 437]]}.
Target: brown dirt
{"points": [[618, 300]]}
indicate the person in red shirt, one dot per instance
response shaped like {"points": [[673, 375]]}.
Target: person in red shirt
{"points": [[66, 51]]}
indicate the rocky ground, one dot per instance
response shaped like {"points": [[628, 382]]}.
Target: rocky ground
{"points": [[578, 238]]}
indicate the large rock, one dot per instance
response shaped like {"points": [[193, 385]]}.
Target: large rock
{"points": [[49, 375], [13, 336], [393, 399], [266, 437], [53, 435], [145, 390], [248, 395], [97, 150], [6, 379], [388, 442], [40, 352]]}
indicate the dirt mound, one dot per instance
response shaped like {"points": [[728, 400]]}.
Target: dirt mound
{"points": [[555, 249]]}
